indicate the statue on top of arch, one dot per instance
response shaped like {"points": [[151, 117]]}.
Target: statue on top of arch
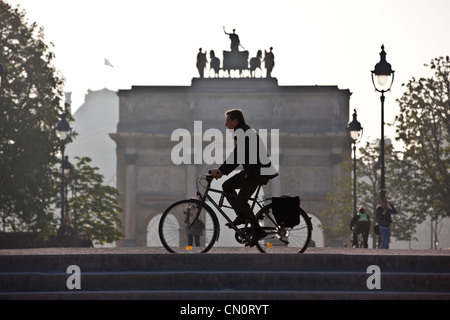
{"points": [[236, 60]]}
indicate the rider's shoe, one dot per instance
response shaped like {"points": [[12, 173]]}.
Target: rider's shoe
{"points": [[238, 221], [258, 235]]}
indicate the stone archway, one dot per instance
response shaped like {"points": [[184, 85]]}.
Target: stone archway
{"points": [[152, 239], [312, 141], [318, 235]]}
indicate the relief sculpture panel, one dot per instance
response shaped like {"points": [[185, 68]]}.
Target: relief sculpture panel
{"points": [[157, 179], [298, 179], [161, 107]]}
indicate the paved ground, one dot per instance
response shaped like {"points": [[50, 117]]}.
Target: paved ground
{"points": [[215, 250]]}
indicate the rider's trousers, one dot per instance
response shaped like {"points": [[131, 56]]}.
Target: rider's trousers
{"points": [[247, 186]]}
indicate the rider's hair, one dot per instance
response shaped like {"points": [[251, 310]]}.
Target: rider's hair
{"points": [[236, 114]]}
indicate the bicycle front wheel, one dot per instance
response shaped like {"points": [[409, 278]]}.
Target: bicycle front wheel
{"points": [[182, 230], [280, 239]]}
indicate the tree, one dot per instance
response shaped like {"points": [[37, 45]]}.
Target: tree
{"points": [[339, 213], [336, 218], [369, 187], [417, 177], [423, 126], [92, 207], [29, 109]]}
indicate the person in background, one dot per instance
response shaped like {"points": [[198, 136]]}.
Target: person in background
{"points": [[86, 242], [360, 224], [194, 230], [383, 217], [65, 234]]}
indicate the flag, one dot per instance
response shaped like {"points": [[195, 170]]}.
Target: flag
{"points": [[109, 64]]}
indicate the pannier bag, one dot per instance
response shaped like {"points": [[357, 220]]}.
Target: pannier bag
{"points": [[286, 211]]}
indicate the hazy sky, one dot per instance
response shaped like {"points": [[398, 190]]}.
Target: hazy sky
{"points": [[323, 42]]}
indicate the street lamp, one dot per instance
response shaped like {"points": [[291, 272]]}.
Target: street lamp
{"points": [[354, 134], [385, 78], [66, 166], [63, 131], [2, 73]]}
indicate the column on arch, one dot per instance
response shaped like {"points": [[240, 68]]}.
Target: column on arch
{"points": [[130, 199]]}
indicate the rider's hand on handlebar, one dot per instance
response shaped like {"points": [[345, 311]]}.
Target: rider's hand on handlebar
{"points": [[217, 174]]}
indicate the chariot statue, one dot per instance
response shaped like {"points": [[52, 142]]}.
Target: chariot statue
{"points": [[237, 60]]}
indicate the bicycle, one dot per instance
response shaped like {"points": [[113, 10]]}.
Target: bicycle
{"points": [[359, 240], [177, 229]]}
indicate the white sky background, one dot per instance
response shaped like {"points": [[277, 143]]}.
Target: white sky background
{"points": [[323, 42]]}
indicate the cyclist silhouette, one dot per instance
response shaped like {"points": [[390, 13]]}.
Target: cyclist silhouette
{"points": [[257, 170]]}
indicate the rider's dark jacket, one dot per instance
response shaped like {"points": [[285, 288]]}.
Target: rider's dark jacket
{"points": [[250, 152]]}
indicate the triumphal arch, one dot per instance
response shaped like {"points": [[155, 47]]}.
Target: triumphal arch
{"points": [[306, 134]]}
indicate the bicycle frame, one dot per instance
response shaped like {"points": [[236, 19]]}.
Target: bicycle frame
{"points": [[175, 220], [218, 206]]}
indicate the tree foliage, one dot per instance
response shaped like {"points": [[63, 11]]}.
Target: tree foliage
{"points": [[418, 176], [339, 213], [423, 126], [29, 109], [403, 226], [336, 218], [92, 206]]}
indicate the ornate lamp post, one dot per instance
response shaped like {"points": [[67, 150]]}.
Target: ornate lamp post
{"points": [[2, 73], [354, 134], [63, 131], [385, 78], [66, 168]]}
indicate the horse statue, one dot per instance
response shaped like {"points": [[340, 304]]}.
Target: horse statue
{"points": [[255, 63], [214, 63]]}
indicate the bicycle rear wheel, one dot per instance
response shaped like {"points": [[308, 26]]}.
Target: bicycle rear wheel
{"points": [[180, 232], [283, 240]]}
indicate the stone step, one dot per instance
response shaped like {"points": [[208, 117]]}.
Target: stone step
{"points": [[230, 295], [221, 276], [224, 262], [219, 280]]}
